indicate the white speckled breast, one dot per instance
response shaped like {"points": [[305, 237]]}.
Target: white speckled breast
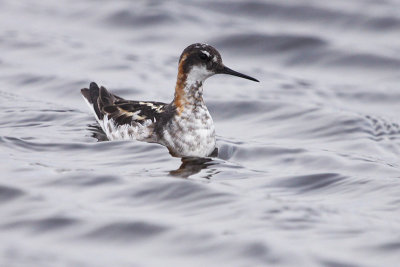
{"points": [[191, 134]]}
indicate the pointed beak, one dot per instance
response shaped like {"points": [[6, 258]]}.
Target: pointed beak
{"points": [[226, 70]]}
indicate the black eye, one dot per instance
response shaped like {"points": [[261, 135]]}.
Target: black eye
{"points": [[203, 56]]}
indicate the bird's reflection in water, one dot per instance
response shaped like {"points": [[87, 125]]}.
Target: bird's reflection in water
{"points": [[193, 165], [188, 167]]}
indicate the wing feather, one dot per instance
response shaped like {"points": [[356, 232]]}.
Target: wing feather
{"points": [[120, 110]]}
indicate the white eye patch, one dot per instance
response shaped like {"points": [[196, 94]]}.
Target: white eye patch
{"points": [[205, 53]]}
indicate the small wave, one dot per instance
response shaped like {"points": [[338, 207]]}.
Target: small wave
{"points": [[127, 231], [361, 60], [300, 12], [128, 18], [382, 128], [336, 263], [88, 180], [39, 146], [304, 50], [29, 79], [9, 193], [43, 225], [312, 182], [223, 110], [383, 23], [267, 43], [176, 194], [390, 246], [248, 152], [262, 9]]}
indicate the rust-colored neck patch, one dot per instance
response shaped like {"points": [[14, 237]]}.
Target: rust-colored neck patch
{"points": [[180, 99]]}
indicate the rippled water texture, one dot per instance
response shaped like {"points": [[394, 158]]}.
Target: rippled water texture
{"points": [[308, 166]]}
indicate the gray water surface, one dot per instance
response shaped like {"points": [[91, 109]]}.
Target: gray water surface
{"points": [[308, 171]]}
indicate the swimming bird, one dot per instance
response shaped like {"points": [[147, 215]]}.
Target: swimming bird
{"points": [[184, 126]]}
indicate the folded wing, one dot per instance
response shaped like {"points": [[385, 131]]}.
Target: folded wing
{"points": [[120, 118]]}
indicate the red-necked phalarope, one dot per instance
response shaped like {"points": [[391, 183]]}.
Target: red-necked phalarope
{"points": [[184, 126]]}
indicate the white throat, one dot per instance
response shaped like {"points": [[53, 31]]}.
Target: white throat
{"points": [[197, 75]]}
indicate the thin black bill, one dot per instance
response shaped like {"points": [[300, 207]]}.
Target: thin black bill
{"points": [[226, 70]]}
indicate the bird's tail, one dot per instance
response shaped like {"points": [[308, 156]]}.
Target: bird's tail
{"points": [[92, 96]]}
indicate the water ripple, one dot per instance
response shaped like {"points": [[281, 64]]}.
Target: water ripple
{"points": [[307, 162], [9, 193], [127, 231]]}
